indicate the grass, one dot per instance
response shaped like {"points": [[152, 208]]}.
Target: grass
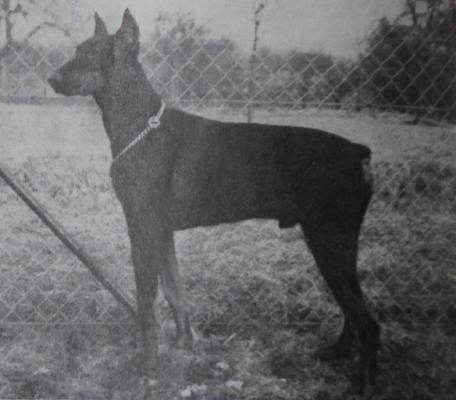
{"points": [[256, 300]]}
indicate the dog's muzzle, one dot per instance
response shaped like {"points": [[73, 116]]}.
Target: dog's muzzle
{"points": [[56, 81]]}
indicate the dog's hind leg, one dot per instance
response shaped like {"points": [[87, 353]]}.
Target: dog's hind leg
{"points": [[332, 236], [340, 349], [174, 294], [336, 259]]}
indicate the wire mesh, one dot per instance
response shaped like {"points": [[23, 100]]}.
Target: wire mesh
{"points": [[398, 96], [250, 279]]}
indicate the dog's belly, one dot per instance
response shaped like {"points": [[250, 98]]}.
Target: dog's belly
{"points": [[207, 200]]}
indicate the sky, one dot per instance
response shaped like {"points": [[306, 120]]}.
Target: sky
{"points": [[334, 26]]}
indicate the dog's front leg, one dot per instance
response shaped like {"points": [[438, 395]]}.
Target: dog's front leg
{"points": [[174, 293], [148, 251]]}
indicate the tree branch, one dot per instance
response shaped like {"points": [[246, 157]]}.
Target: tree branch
{"points": [[18, 10], [45, 9], [43, 25], [411, 4], [258, 10]]}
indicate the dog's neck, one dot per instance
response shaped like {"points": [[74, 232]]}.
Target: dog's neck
{"points": [[127, 104]]}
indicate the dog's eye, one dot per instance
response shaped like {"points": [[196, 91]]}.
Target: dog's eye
{"points": [[84, 53]]}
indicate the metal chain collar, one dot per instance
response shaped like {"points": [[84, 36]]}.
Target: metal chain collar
{"points": [[152, 123]]}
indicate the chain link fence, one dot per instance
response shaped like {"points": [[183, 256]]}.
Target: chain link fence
{"points": [[398, 97]]}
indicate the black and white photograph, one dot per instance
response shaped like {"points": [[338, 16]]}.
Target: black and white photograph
{"points": [[227, 199]]}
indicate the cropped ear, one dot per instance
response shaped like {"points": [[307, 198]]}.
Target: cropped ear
{"points": [[100, 27], [126, 39]]}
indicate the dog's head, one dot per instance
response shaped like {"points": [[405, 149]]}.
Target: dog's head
{"points": [[90, 70]]}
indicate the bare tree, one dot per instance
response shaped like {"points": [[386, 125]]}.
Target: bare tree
{"points": [[253, 58], [20, 22], [8, 14], [12, 10], [411, 61], [426, 14]]}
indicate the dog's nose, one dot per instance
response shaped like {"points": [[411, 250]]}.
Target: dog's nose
{"points": [[55, 79]]}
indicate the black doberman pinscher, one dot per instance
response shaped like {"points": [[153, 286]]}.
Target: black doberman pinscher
{"points": [[172, 170]]}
